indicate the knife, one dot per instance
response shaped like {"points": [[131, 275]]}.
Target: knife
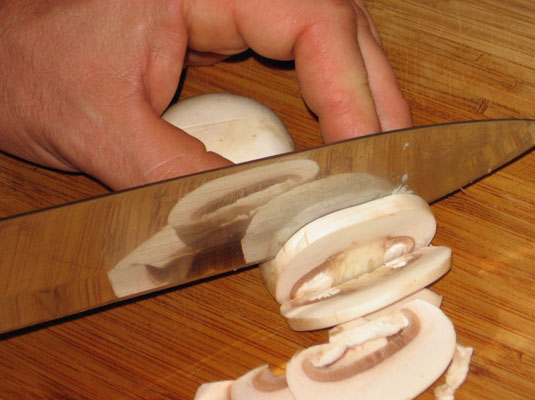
{"points": [[79, 256]]}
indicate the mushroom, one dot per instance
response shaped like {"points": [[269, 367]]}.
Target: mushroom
{"points": [[240, 129], [394, 357], [363, 269], [236, 127], [219, 390], [348, 243], [260, 384], [368, 292]]}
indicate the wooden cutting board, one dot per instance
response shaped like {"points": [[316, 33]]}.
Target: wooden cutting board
{"points": [[456, 60]]}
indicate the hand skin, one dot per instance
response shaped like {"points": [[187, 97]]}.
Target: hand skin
{"points": [[83, 82]]}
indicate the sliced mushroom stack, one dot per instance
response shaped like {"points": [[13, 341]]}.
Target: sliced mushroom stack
{"points": [[362, 269], [355, 261]]}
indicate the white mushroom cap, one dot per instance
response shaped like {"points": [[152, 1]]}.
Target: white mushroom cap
{"points": [[369, 292], [396, 367], [359, 238], [260, 384], [214, 391], [236, 127]]}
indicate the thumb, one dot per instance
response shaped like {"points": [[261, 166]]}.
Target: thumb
{"points": [[142, 148]]}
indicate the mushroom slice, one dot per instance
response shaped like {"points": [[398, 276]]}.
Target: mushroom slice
{"points": [[219, 390], [236, 127], [368, 292], [424, 294], [261, 384], [347, 243], [395, 357]]}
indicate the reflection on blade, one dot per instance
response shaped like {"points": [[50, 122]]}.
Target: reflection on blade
{"points": [[211, 216]]}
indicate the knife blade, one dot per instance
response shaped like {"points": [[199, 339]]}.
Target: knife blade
{"points": [[67, 259]]}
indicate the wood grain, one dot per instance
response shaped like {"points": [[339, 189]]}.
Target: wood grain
{"points": [[455, 60]]}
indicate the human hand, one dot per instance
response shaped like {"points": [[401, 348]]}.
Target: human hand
{"points": [[84, 83]]}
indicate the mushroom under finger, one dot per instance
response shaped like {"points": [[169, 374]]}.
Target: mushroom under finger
{"points": [[395, 357], [240, 129], [235, 127]]}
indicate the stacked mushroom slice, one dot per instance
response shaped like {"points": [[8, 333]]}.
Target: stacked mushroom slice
{"points": [[355, 261], [363, 271]]}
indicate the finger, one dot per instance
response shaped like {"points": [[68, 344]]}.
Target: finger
{"points": [[322, 38], [392, 108], [334, 80]]}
